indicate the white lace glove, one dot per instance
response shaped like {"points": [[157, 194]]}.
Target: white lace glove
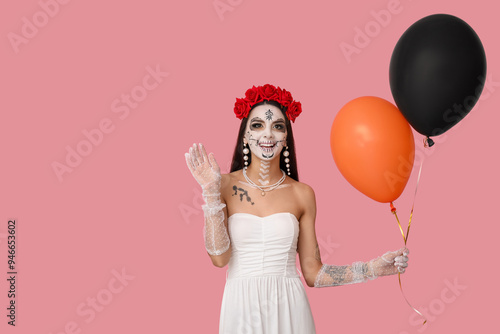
{"points": [[206, 171], [388, 264]]}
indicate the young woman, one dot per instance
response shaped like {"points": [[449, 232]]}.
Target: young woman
{"points": [[258, 217]]}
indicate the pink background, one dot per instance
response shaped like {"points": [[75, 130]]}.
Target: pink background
{"points": [[131, 204]]}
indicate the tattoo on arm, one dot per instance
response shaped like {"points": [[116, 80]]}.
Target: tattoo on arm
{"points": [[337, 273], [317, 256], [365, 269], [242, 193]]}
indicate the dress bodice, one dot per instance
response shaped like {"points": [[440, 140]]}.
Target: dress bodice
{"points": [[263, 246]]}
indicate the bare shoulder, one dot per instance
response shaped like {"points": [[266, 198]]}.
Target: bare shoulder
{"points": [[232, 176], [304, 191], [306, 199]]}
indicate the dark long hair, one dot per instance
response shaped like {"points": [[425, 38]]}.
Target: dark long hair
{"points": [[237, 162]]}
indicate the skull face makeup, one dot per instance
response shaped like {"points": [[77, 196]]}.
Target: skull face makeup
{"points": [[266, 131]]}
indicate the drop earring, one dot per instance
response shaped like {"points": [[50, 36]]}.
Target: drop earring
{"points": [[287, 160], [245, 156]]}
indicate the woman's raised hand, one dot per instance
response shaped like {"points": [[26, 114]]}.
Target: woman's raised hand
{"points": [[204, 168], [207, 172]]}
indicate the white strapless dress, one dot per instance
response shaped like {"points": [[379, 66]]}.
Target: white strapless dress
{"points": [[263, 292]]}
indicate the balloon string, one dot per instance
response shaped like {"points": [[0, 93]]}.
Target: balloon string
{"points": [[405, 237]]}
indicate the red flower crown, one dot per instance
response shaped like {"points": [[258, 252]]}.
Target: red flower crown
{"points": [[267, 92]]}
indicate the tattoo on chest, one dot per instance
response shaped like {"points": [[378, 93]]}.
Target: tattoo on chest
{"points": [[242, 192]]}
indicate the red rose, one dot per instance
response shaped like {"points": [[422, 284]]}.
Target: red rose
{"points": [[294, 110], [252, 95], [286, 98], [269, 92], [241, 108]]}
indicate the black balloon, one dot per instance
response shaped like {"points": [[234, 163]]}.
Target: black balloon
{"points": [[437, 73]]}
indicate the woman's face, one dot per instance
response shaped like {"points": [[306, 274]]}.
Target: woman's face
{"points": [[266, 132]]}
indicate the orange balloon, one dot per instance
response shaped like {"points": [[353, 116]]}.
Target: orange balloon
{"points": [[373, 147]]}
